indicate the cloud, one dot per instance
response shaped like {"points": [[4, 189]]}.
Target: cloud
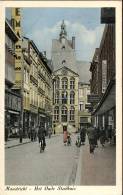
{"points": [[86, 39]]}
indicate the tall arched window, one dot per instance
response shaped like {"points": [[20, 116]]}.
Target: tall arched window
{"points": [[64, 97], [57, 97], [72, 83], [64, 83], [72, 113], [57, 82], [64, 114], [56, 113], [72, 97]]}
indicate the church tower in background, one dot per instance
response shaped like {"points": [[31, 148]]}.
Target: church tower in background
{"points": [[65, 83]]}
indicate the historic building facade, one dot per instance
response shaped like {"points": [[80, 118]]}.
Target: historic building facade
{"points": [[84, 116], [104, 109], [12, 98], [65, 100], [33, 51], [30, 77], [26, 62], [65, 83], [44, 92]]}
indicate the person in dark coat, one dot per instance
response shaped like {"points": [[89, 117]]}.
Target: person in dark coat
{"points": [[21, 134], [110, 134], [41, 136], [102, 137], [91, 137], [82, 135], [6, 133], [31, 132], [96, 136]]}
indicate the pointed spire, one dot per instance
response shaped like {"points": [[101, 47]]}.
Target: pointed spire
{"points": [[63, 32]]}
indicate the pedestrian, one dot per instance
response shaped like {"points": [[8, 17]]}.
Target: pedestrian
{"points": [[20, 134], [102, 137], [41, 136], [109, 133], [36, 132], [65, 137], [49, 132], [6, 133], [31, 132], [114, 136], [54, 131], [82, 135], [68, 138], [91, 137], [96, 136]]}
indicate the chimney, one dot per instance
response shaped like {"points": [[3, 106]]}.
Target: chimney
{"points": [[73, 42]]}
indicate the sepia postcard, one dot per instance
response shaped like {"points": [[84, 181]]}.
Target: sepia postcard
{"points": [[61, 97]]}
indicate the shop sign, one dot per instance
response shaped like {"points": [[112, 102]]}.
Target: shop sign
{"points": [[14, 102], [83, 119], [104, 75]]}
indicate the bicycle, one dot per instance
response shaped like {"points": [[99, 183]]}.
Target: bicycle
{"points": [[78, 142], [69, 141], [42, 146]]}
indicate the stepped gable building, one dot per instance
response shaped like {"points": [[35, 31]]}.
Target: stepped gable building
{"points": [[65, 83], [63, 51]]}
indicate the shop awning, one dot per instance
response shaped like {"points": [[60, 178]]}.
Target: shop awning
{"points": [[108, 100], [13, 112]]}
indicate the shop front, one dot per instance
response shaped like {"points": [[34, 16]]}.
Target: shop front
{"points": [[105, 116], [12, 114]]}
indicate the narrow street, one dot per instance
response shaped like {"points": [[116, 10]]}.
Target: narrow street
{"points": [[56, 166], [60, 81]]}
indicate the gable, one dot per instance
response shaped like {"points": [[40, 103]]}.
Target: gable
{"points": [[64, 71]]}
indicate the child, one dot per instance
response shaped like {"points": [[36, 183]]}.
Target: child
{"points": [[68, 139], [78, 141]]}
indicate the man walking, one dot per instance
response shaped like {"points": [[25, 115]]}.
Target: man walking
{"points": [[91, 137], [41, 136], [82, 135]]}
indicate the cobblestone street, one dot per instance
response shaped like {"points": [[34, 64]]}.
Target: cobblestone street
{"points": [[59, 164], [24, 165], [98, 168]]}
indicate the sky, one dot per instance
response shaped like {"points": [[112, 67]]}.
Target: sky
{"points": [[43, 24]]}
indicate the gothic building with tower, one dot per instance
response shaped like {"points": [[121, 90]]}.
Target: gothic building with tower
{"points": [[65, 83]]}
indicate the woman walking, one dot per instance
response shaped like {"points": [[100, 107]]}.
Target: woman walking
{"points": [[65, 137]]}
